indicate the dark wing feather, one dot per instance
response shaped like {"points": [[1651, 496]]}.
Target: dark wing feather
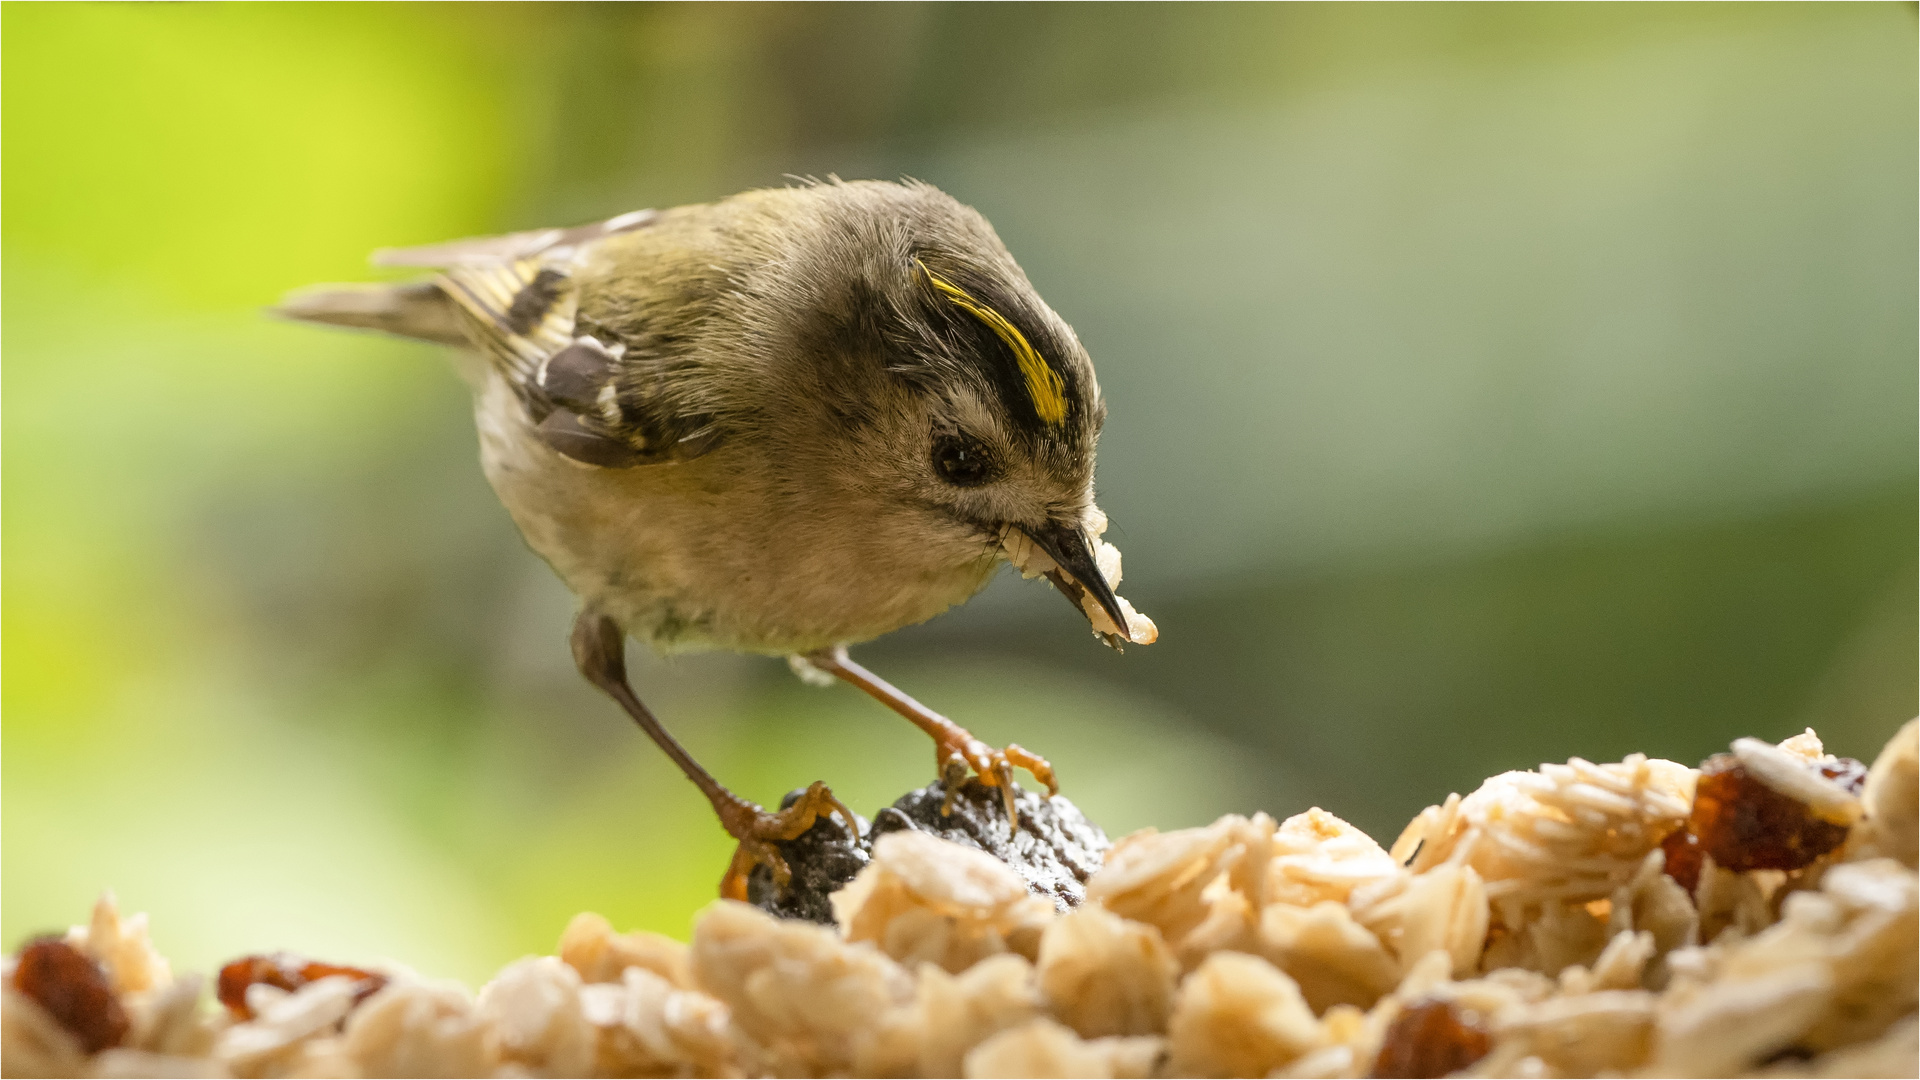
{"points": [[520, 301], [521, 312]]}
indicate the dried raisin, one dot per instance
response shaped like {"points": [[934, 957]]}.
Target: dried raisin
{"points": [[288, 972], [74, 991], [1746, 825], [1431, 1038], [1683, 858]]}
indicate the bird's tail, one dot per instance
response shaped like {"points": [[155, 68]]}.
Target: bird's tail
{"points": [[415, 309]]}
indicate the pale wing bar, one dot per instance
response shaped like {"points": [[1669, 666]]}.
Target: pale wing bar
{"points": [[513, 246]]}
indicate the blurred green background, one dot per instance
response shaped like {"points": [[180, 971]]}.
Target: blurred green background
{"points": [[1489, 385]]}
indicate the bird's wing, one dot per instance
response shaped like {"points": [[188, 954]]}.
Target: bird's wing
{"points": [[521, 311], [519, 299], [517, 289], [512, 246]]}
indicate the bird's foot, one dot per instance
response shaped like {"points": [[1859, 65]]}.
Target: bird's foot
{"points": [[955, 749], [957, 752], [758, 831]]}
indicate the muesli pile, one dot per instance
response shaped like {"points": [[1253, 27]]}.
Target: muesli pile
{"points": [[1755, 916]]}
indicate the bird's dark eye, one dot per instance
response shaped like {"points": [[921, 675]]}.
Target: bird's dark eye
{"points": [[962, 461]]}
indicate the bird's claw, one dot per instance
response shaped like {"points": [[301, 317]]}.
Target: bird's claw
{"points": [[955, 750], [953, 773], [995, 769], [749, 854], [758, 830]]}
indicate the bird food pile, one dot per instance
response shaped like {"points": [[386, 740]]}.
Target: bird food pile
{"points": [[1755, 916]]}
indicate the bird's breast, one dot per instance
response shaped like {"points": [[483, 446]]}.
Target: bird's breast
{"points": [[715, 552]]}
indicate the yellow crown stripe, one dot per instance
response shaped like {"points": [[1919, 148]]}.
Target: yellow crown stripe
{"points": [[1044, 385]]}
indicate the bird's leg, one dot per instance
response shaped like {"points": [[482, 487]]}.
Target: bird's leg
{"points": [[599, 649], [955, 749]]}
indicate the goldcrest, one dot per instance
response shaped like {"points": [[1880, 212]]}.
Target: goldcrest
{"points": [[783, 423]]}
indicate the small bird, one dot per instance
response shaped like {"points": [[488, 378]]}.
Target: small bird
{"points": [[782, 423]]}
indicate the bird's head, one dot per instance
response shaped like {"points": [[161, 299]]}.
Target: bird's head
{"points": [[961, 398]]}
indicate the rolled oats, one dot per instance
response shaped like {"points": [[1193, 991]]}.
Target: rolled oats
{"points": [[647, 1026], [952, 1014], [805, 999], [1317, 856], [276, 1041], [1892, 828], [1334, 959], [590, 947], [420, 1029], [1105, 975], [533, 1007], [924, 899], [1237, 1015], [1044, 1048], [1200, 887], [1532, 928]]}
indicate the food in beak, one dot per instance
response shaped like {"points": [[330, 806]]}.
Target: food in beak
{"points": [[1086, 569]]}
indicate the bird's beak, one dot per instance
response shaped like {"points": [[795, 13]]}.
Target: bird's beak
{"points": [[1068, 547]]}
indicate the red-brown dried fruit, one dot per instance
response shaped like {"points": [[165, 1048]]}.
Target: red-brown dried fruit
{"points": [[288, 972], [1746, 825], [1431, 1038], [1846, 772], [1683, 858], [74, 991]]}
